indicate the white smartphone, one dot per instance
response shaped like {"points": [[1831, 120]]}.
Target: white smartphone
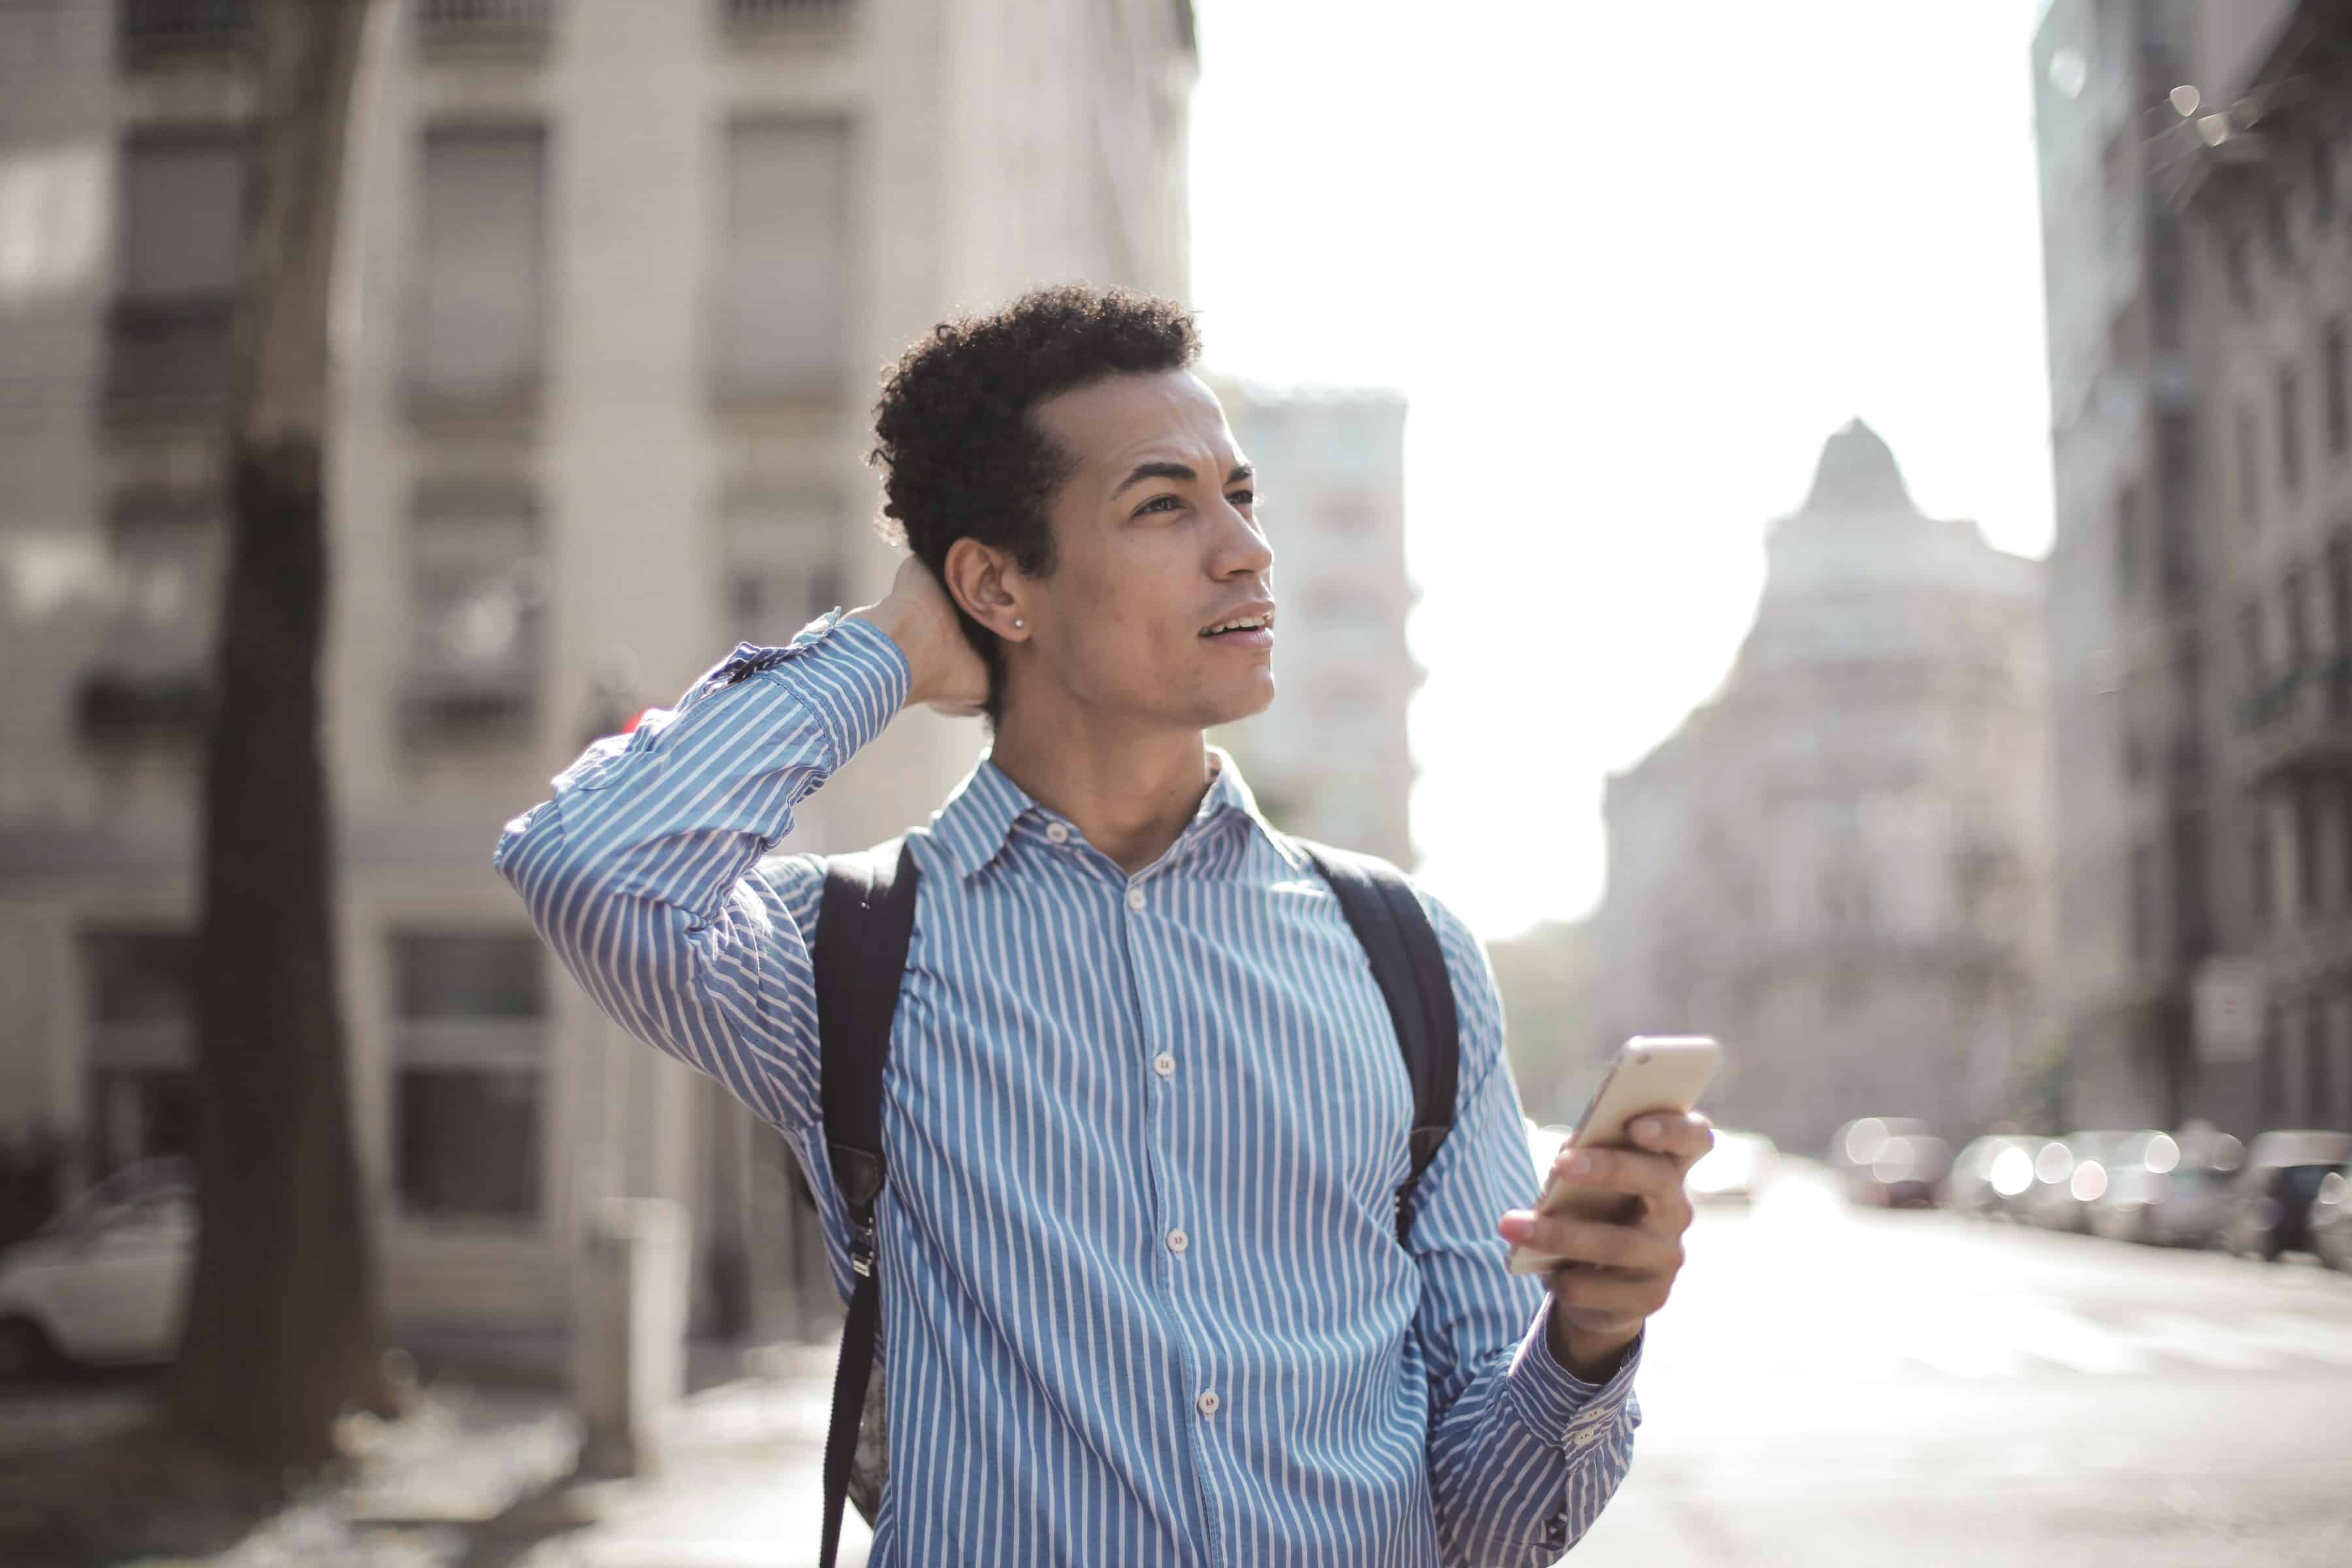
{"points": [[1652, 1072]]}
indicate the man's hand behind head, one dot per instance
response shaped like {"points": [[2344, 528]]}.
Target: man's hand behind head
{"points": [[918, 615]]}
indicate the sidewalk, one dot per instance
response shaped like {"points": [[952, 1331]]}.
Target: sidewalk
{"points": [[474, 1477], [742, 1486]]}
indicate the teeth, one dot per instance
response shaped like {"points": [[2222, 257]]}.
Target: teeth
{"points": [[1252, 623]]}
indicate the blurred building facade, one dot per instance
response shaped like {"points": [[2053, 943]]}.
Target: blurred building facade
{"points": [[2199, 283], [1331, 760], [618, 279], [1840, 865]]}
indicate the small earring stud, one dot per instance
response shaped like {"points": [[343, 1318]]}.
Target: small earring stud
{"points": [[1017, 624]]}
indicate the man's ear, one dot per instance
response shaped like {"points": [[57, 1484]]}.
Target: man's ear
{"points": [[987, 586]]}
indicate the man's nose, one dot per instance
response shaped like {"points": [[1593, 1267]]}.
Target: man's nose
{"points": [[1245, 550]]}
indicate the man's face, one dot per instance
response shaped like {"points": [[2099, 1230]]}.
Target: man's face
{"points": [[1156, 542]]}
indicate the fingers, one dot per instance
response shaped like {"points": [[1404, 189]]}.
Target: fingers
{"points": [[1655, 1179], [1633, 1248], [1684, 1137]]}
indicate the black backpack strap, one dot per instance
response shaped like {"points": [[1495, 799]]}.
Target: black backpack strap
{"points": [[1410, 965], [860, 955]]}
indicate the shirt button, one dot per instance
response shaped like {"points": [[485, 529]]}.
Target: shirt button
{"points": [[1135, 899], [1164, 1065], [1208, 1402], [1058, 832], [1178, 1241]]}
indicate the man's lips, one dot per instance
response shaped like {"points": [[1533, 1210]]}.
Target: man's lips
{"points": [[1259, 610]]}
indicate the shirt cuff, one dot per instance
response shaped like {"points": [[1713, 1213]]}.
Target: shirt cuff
{"points": [[850, 675], [1554, 1404]]}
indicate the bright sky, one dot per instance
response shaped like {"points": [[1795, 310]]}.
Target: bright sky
{"points": [[1632, 264]]}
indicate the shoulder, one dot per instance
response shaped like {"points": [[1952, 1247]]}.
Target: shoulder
{"points": [[1466, 957]]}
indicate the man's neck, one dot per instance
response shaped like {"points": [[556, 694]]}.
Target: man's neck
{"points": [[1130, 794]]}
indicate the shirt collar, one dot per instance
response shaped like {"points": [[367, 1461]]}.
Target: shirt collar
{"points": [[978, 819]]}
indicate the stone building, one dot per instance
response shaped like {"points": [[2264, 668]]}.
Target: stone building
{"points": [[2137, 796], [1330, 759], [1839, 865], [2200, 285], [619, 277], [2262, 179]]}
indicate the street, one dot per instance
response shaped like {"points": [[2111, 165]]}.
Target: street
{"points": [[1835, 1385]]}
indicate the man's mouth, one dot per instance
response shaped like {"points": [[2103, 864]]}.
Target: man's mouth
{"points": [[1252, 625]]}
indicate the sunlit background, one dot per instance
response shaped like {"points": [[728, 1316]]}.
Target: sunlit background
{"points": [[1820, 523], [1630, 285]]}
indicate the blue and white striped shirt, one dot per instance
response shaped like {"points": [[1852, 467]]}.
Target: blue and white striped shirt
{"points": [[1142, 1298]]}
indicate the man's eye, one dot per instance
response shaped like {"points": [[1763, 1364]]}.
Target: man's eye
{"points": [[1158, 503], [1243, 498]]}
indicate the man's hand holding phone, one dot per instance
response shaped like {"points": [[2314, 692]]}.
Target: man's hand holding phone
{"points": [[1607, 1233], [1616, 1272]]}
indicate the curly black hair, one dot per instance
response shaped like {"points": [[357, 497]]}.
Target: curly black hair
{"points": [[960, 453]]}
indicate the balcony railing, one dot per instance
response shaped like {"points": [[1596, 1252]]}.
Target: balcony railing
{"points": [[481, 705], [147, 30], [764, 13], [463, 22], [114, 706], [2300, 722], [166, 355]]}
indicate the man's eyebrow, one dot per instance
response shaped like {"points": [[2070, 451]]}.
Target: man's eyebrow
{"points": [[1157, 471], [1179, 472]]}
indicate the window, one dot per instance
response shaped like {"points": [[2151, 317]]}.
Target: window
{"points": [[2174, 477], [2290, 429], [2235, 269], [2338, 571], [2250, 474], [140, 999], [183, 211], [2310, 885], [477, 594], [2143, 903], [782, 557], [480, 266], [2127, 549], [2292, 594], [2192, 919], [783, 284], [147, 29], [471, 1014], [2338, 396], [2316, 1046], [2260, 863], [165, 555]]}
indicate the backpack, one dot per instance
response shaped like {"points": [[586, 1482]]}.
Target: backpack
{"points": [[859, 952]]}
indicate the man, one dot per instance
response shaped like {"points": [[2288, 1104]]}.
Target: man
{"points": [[1144, 1300]]}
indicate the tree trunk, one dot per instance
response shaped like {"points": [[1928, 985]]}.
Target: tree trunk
{"points": [[281, 1327]]}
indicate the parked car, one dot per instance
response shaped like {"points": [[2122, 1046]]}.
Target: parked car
{"points": [[2272, 1201], [101, 1282], [1738, 1169], [2331, 1220], [1991, 1173], [2069, 1172], [1893, 1162], [2167, 1189]]}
